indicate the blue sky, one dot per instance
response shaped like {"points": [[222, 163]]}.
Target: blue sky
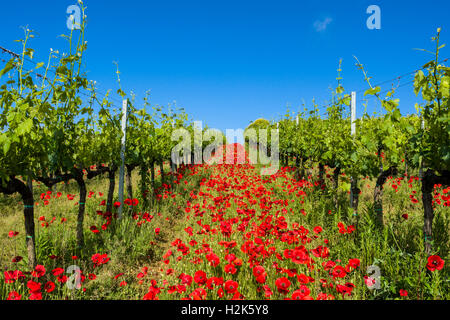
{"points": [[230, 62]]}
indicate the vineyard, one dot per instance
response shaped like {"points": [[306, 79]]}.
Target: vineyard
{"points": [[357, 209]]}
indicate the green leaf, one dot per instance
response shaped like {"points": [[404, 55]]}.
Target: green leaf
{"points": [[345, 186], [9, 65], [29, 52], [25, 127], [6, 144], [372, 91]]}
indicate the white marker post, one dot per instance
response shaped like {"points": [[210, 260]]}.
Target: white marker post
{"points": [[122, 154], [353, 127], [422, 126], [353, 132]]}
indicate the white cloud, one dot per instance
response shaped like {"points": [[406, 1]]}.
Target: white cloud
{"points": [[322, 25]]}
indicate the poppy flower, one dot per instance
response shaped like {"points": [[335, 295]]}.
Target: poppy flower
{"points": [[369, 281], [57, 271], [99, 259], [258, 271], [403, 293], [38, 271], [49, 287], [301, 293], [94, 229], [12, 276], [220, 293], [17, 259], [186, 279], [12, 234], [36, 296], [118, 275], [13, 295], [230, 268], [213, 259], [34, 286], [435, 263], [200, 277], [230, 286], [283, 284], [317, 229], [339, 272], [354, 263]]}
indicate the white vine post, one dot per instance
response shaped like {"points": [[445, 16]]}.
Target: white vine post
{"points": [[122, 154], [353, 132], [422, 126]]}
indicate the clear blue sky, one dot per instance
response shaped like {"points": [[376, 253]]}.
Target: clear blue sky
{"points": [[230, 62]]}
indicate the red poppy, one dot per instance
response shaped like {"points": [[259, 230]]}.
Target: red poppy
{"points": [[369, 281], [299, 256], [94, 229], [38, 271], [13, 295], [49, 287], [12, 234], [36, 296], [220, 293], [339, 272], [17, 259], [435, 263], [317, 229], [213, 259], [354, 263], [12, 276], [99, 259], [200, 277], [258, 271], [230, 268], [58, 271], [301, 293], [403, 293], [34, 286], [186, 279], [283, 284], [231, 286], [62, 278]]}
